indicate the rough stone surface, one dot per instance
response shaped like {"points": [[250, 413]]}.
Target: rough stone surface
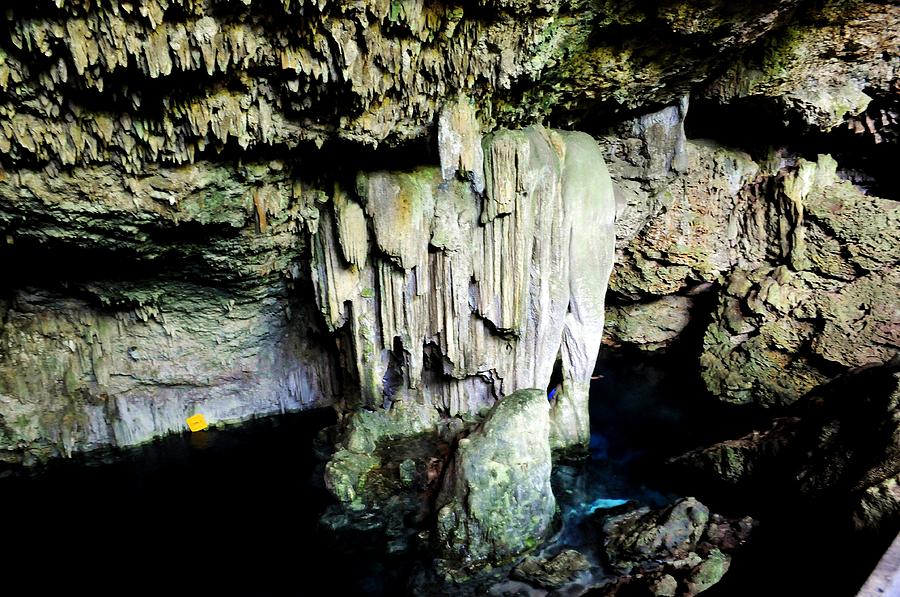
{"points": [[117, 323], [140, 139], [644, 534], [843, 443], [345, 477], [236, 340], [465, 300], [830, 63], [555, 572], [367, 432], [253, 75], [678, 550], [708, 572], [649, 326], [803, 261], [832, 304], [497, 501]]}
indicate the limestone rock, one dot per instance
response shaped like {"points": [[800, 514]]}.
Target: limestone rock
{"points": [[649, 326], [345, 477], [679, 237], [735, 461], [823, 68], [842, 309], [555, 572], [117, 325], [678, 550], [708, 572], [459, 142], [465, 299], [367, 432], [299, 74], [405, 418], [497, 501], [644, 535], [665, 586], [140, 138], [76, 375], [843, 438]]}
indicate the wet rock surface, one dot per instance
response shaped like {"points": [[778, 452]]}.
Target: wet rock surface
{"points": [[496, 501], [146, 135], [552, 573], [678, 550], [452, 300], [643, 535], [247, 208]]}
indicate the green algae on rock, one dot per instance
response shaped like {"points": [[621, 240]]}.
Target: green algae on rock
{"points": [[774, 325], [497, 501], [475, 298]]}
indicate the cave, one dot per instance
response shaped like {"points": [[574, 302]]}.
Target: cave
{"points": [[430, 297]]}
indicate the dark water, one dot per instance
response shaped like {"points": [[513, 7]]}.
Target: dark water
{"points": [[238, 511], [234, 510], [650, 408]]}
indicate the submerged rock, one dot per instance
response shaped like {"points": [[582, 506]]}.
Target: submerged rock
{"points": [[497, 501], [554, 572]]}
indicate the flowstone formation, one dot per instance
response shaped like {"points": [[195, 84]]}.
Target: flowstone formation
{"points": [[145, 133], [138, 139], [449, 301], [454, 301]]}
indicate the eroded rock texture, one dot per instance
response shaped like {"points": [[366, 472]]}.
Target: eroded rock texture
{"points": [[841, 445], [679, 550], [131, 302], [181, 179], [170, 80], [497, 501], [455, 301], [803, 260], [778, 329]]}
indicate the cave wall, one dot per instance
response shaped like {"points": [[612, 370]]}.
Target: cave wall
{"points": [[129, 303], [217, 202]]}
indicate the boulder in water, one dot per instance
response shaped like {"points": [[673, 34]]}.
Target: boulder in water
{"points": [[496, 501]]}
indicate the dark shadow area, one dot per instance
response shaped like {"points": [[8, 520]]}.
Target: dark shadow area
{"points": [[651, 406], [234, 510], [183, 253], [759, 127], [240, 510], [647, 408]]}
